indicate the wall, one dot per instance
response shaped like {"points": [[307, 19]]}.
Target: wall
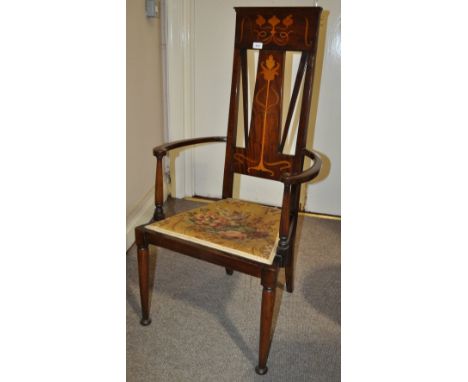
{"points": [[145, 123]]}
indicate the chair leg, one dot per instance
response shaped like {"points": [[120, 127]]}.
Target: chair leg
{"points": [[266, 319], [143, 274], [229, 271], [289, 272], [289, 268]]}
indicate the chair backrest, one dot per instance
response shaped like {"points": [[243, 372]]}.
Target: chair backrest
{"points": [[273, 31]]}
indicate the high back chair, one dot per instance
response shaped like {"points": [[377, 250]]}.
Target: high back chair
{"points": [[242, 236]]}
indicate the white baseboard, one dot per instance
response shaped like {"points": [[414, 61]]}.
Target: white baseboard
{"points": [[141, 214]]}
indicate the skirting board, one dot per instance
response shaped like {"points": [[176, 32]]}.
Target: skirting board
{"points": [[141, 214]]}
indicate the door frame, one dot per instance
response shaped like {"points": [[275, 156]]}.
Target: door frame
{"points": [[178, 39]]}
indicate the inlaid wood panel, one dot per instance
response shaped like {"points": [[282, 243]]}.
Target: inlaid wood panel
{"points": [[277, 28], [261, 157], [273, 32]]}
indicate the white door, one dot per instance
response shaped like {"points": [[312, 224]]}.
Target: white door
{"points": [[213, 40]]}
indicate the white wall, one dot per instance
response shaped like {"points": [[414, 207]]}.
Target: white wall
{"points": [[144, 111], [324, 194]]}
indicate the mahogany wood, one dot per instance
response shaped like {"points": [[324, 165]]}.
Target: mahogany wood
{"points": [[289, 261], [306, 175], [245, 93], [163, 149], [143, 272], [261, 157], [159, 152], [294, 28], [269, 279], [289, 274], [305, 113], [159, 192], [277, 30], [201, 252]]}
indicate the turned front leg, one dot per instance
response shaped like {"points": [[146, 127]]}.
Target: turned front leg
{"points": [[269, 279], [143, 275]]}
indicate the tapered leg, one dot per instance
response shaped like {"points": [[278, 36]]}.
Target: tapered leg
{"points": [[143, 274], [289, 270], [289, 266], [229, 271], [266, 320]]}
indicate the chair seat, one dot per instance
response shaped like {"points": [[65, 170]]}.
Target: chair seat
{"points": [[241, 228]]}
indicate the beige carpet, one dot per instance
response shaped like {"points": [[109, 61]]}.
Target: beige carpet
{"points": [[205, 324]]}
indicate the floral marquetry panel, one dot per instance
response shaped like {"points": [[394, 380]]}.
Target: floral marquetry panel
{"points": [[241, 228], [277, 28], [261, 156]]}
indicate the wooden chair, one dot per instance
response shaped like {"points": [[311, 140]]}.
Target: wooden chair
{"points": [[222, 233]]}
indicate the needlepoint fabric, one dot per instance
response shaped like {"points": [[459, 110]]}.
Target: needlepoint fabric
{"points": [[237, 227]]}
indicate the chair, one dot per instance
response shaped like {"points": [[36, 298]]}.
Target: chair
{"points": [[242, 236]]}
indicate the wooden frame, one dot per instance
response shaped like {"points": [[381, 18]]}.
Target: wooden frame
{"points": [[277, 30]]}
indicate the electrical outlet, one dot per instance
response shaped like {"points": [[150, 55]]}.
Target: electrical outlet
{"points": [[152, 8]]}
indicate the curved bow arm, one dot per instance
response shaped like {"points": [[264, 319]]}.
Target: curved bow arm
{"points": [[159, 152], [162, 150], [306, 175]]}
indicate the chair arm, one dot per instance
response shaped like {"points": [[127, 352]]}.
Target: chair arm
{"points": [[306, 175], [288, 218], [159, 152], [163, 149]]}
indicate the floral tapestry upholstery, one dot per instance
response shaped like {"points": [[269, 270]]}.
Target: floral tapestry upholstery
{"points": [[241, 228]]}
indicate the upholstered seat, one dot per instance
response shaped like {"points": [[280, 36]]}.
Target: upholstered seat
{"points": [[237, 227]]}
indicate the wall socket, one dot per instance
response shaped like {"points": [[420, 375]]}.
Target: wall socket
{"points": [[152, 8]]}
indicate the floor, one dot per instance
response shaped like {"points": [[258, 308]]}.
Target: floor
{"points": [[205, 324]]}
